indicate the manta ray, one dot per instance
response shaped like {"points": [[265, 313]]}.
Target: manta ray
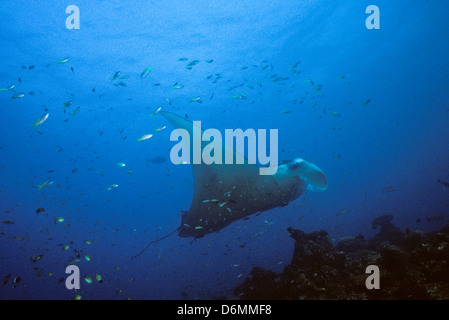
{"points": [[224, 193]]}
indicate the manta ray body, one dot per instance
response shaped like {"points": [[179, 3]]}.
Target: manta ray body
{"points": [[224, 193]]}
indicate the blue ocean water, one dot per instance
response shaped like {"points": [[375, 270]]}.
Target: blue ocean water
{"points": [[369, 107]]}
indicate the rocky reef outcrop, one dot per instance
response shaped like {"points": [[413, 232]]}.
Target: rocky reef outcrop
{"points": [[412, 264]]}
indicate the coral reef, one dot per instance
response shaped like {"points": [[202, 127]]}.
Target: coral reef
{"points": [[412, 264]]}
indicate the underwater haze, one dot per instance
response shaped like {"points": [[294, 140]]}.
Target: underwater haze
{"points": [[369, 107]]}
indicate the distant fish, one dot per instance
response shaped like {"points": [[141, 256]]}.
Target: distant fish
{"points": [[191, 64], [45, 184], [76, 111], [157, 160], [8, 88], [156, 111], [197, 99], [59, 220], [63, 60], [88, 279], [240, 96], [295, 65], [335, 114], [41, 120], [160, 128], [18, 95], [68, 103], [182, 59], [309, 81], [366, 102], [145, 72], [98, 278], [210, 61], [145, 137], [38, 258], [111, 186], [115, 76], [5, 280], [177, 86]]}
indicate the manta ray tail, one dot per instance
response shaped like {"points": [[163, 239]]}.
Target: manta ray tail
{"points": [[155, 241]]}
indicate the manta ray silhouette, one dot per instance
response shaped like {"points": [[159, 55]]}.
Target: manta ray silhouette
{"points": [[224, 193]]}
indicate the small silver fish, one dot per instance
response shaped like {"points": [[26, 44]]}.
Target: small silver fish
{"points": [[197, 99], [177, 86], [18, 95], [41, 120], [160, 128], [64, 60], [146, 72], [145, 137], [9, 88], [156, 111]]}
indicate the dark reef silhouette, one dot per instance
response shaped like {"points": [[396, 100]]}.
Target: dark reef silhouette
{"points": [[412, 264]]}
